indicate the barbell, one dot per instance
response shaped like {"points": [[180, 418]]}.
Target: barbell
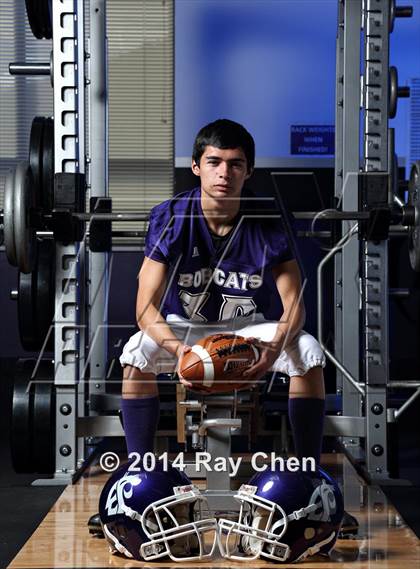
{"points": [[22, 217]]}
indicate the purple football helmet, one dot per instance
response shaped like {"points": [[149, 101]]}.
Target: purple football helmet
{"points": [[150, 515], [284, 516]]}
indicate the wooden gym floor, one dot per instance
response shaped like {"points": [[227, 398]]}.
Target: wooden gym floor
{"points": [[384, 541]]}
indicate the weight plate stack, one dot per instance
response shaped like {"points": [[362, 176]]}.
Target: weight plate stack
{"points": [[21, 443], [43, 419], [33, 417], [36, 301]]}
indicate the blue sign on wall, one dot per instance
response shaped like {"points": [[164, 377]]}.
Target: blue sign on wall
{"points": [[311, 139]]}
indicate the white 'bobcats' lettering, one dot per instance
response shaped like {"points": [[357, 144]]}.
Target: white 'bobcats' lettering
{"points": [[185, 279], [234, 280], [219, 277], [244, 277], [255, 281]]}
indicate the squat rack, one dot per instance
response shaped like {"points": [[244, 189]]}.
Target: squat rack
{"points": [[360, 300]]}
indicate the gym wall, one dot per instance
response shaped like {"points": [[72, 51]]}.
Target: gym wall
{"points": [[271, 64], [219, 47]]}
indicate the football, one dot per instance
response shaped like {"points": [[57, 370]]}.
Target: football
{"points": [[215, 364]]}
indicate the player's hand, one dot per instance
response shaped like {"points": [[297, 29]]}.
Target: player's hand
{"points": [[183, 349], [269, 352]]}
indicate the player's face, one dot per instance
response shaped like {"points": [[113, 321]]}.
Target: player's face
{"points": [[222, 171]]}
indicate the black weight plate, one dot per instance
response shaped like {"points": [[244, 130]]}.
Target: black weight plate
{"points": [[45, 293], [24, 200], [40, 17], [35, 154], [47, 187], [8, 218], [49, 28], [414, 232], [21, 443], [393, 92], [391, 15], [35, 18], [43, 421], [46, 17], [26, 310]]}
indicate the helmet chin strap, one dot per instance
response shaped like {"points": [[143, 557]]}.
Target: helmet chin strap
{"points": [[133, 515], [296, 515], [116, 544], [315, 548]]}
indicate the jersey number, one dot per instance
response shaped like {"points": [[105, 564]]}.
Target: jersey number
{"points": [[232, 306]]}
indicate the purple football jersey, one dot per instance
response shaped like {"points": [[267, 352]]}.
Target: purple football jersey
{"points": [[210, 284]]}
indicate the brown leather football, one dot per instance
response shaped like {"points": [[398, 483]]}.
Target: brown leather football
{"points": [[215, 364]]}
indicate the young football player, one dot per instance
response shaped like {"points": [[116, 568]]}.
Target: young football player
{"points": [[212, 261]]}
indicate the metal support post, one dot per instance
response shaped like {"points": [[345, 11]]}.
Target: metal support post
{"points": [[69, 148], [98, 183], [346, 277], [218, 445], [375, 327]]}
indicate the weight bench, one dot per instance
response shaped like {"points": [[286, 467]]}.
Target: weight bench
{"points": [[211, 421]]}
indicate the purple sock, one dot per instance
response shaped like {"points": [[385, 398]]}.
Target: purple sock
{"points": [[306, 416], [140, 419]]}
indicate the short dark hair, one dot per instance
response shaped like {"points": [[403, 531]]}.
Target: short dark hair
{"points": [[225, 133]]}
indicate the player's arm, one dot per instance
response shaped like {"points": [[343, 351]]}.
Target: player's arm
{"points": [[152, 283], [289, 285], [288, 282]]}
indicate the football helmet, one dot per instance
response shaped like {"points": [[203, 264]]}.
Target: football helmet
{"points": [[284, 516], [150, 515]]}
